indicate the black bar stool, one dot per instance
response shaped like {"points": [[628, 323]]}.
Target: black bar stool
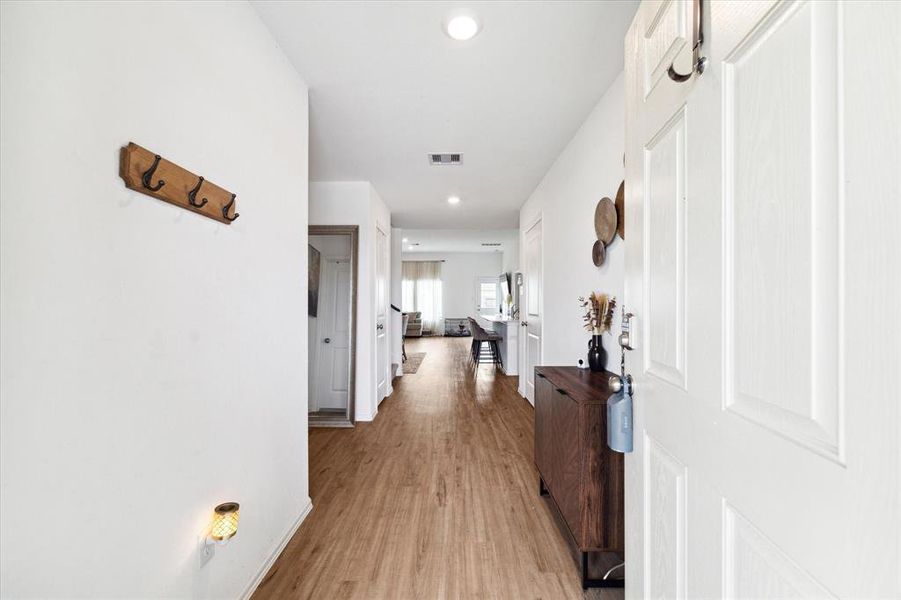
{"points": [[479, 338]]}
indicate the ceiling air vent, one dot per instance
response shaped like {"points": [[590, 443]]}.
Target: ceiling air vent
{"points": [[491, 244], [445, 159]]}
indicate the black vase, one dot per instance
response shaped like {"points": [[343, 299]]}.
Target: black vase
{"points": [[597, 356]]}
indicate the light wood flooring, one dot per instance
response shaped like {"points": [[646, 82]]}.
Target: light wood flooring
{"points": [[437, 498]]}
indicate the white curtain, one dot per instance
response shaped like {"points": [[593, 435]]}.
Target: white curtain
{"points": [[422, 293]]}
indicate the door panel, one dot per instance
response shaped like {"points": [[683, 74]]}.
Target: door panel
{"points": [[381, 327], [545, 442], [763, 209], [333, 365], [569, 469], [664, 182], [665, 522], [755, 567], [532, 308], [776, 208]]}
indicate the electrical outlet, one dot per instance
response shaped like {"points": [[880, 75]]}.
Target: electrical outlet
{"points": [[207, 551]]}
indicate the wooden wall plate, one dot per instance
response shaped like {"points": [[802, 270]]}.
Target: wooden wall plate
{"points": [[605, 220], [620, 203], [598, 253]]}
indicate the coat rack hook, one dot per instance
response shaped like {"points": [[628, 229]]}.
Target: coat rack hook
{"points": [[192, 195], [226, 208], [148, 175]]}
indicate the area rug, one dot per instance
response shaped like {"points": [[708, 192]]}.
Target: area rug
{"points": [[414, 359]]}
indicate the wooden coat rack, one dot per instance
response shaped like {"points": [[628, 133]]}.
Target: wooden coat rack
{"points": [[148, 173]]}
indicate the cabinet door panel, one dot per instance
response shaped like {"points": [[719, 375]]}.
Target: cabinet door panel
{"points": [[567, 487], [544, 436]]}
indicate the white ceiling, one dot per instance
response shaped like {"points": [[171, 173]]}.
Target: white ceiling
{"points": [[387, 87], [458, 240]]}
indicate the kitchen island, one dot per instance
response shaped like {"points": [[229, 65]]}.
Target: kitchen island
{"points": [[508, 329]]}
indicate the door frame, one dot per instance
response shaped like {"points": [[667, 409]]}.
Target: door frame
{"points": [[349, 418]]}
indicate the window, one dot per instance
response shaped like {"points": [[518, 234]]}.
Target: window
{"points": [[487, 294], [421, 291]]}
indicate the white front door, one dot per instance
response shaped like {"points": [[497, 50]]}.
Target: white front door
{"points": [[531, 321], [381, 321], [333, 364], [762, 263]]}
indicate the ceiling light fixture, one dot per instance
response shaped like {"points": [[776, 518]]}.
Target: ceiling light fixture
{"points": [[453, 200], [405, 240], [462, 27]]}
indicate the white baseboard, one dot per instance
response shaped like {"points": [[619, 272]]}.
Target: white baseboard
{"points": [[270, 560]]}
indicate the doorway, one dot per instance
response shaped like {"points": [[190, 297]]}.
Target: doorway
{"points": [[332, 324]]}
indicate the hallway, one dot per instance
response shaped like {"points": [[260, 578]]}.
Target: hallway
{"points": [[437, 498]]}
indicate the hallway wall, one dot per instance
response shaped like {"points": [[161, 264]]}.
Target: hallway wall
{"points": [[589, 168], [357, 203], [153, 361]]}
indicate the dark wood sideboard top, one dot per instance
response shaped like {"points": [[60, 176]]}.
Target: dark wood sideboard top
{"points": [[582, 385]]}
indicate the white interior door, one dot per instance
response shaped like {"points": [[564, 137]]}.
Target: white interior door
{"points": [[531, 324], [333, 364], [762, 203], [381, 323]]}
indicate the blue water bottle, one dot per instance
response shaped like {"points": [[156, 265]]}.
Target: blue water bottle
{"points": [[619, 418]]}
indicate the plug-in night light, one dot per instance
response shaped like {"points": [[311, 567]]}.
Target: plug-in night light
{"points": [[225, 522]]}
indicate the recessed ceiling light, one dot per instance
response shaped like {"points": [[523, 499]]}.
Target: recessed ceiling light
{"points": [[462, 27], [453, 200], [405, 240]]}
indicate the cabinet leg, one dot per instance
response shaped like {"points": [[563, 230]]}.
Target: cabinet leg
{"points": [[542, 489], [588, 582]]}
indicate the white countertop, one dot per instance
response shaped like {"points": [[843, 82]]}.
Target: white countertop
{"points": [[498, 318]]}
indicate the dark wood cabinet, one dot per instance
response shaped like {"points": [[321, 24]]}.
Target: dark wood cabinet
{"points": [[583, 477]]}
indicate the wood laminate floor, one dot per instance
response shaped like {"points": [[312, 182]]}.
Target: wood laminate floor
{"points": [[437, 498]]}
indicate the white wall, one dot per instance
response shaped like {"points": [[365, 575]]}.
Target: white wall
{"points": [[510, 261], [589, 168], [458, 278], [152, 361], [357, 203]]}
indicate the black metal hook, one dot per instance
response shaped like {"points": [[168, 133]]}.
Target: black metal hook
{"points": [[148, 175], [228, 206], [192, 195]]}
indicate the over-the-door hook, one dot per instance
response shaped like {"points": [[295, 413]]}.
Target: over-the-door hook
{"points": [[148, 175], [227, 207], [698, 62], [192, 195]]}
